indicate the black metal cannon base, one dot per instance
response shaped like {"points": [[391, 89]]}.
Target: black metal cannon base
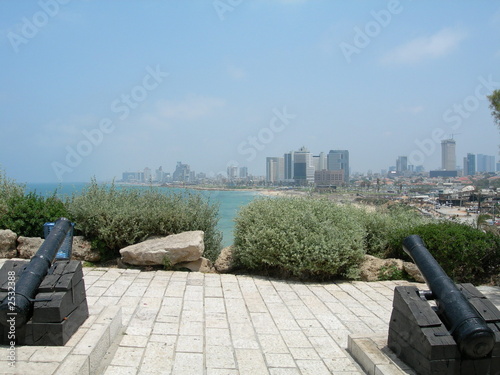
{"points": [[60, 306], [418, 336]]}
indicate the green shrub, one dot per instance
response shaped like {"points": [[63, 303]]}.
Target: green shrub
{"points": [[384, 223], [117, 217], [391, 272], [8, 189], [25, 214], [299, 237], [465, 254]]}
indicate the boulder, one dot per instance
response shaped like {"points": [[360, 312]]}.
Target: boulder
{"points": [[8, 243], [225, 261], [413, 271], [28, 246], [201, 265], [170, 250], [373, 268], [82, 250]]}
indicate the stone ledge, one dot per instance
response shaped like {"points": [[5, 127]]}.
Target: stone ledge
{"points": [[373, 355], [87, 348]]}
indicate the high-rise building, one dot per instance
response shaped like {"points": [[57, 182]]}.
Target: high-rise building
{"points": [[232, 172], [339, 159], [448, 156], [275, 171], [402, 165], [148, 177], [288, 166], [303, 168], [160, 176], [319, 161], [182, 172], [243, 172], [485, 163], [470, 165]]}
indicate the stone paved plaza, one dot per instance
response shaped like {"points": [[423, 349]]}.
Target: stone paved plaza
{"points": [[194, 323]]}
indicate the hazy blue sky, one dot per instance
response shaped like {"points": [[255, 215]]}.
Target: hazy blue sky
{"points": [[95, 88]]}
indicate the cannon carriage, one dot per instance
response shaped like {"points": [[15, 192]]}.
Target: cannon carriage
{"points": [[459, 334], [42, 302]]}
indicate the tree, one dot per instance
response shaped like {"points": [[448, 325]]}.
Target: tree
{"points": [[494, 99]]}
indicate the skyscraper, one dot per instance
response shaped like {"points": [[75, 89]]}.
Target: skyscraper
{"points": [[303, 168], [275, 171], [288, 166], [339, 160], [182, 172], [470, 165], [319, 161], [448, 157], [485, 163], [402, 164]]}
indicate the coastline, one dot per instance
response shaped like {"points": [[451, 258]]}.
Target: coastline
{"points": [[259, 191]]}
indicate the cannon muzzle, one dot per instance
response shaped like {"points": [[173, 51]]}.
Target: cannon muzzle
{"points": [[470, 331], [20, 307]]}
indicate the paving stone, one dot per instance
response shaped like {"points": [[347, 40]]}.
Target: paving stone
{"points": [[188, 363], [220, 357], [280, 360], [75, 365], [218, 336], [251, 362], [284, 371], [134, 341], [120, 370], [50, 354], [273, 344], [190, 344], [128, 357], [311, 367]]}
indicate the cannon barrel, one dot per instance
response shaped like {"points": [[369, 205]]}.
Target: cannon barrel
{"points": [[470, 331], [29, 281]]}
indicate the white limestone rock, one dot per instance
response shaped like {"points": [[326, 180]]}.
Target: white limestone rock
{"points": [[170, 250]]}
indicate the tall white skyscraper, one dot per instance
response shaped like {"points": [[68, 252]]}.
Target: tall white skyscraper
{"points": [[448, 156], [303, 166], [275, 169]]}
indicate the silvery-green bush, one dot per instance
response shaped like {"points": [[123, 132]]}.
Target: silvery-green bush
{"points": [[300, 237], [384, 223], [114, 217]]}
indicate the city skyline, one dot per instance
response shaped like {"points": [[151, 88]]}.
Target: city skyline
{"points": [[221, 86], [283, 169]]}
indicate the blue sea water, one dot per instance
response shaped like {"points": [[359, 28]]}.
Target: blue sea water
{"points": [[229, 201]]}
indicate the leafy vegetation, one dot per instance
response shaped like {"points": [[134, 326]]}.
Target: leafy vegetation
{"points": [[385, 223], [494, 99], [25, 214], [299, 237], [117, 217], [465, 253]]}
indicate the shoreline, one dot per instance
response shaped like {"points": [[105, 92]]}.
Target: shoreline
{"points": [[258, 191]]}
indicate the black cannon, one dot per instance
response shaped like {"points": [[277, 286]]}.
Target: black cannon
{"points": [[29, 281], [459, 335], [42, 303]]}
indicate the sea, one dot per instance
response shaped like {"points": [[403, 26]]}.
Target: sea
{"points": [[230, 201]]}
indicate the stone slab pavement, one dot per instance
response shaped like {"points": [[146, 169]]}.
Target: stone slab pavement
{"points": [[193, 323]]}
